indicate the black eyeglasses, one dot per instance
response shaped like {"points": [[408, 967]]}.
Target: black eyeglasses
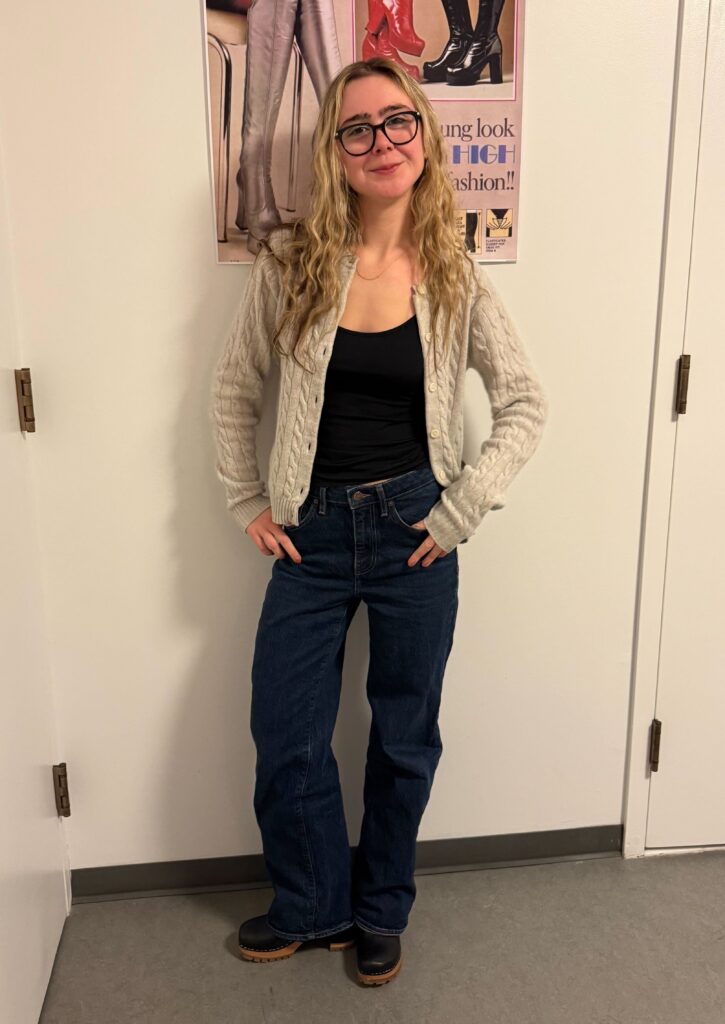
{"points": [[399, 128]]}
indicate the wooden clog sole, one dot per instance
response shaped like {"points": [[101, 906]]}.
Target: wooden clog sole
{"points": [[260, 956], [380, 979]]}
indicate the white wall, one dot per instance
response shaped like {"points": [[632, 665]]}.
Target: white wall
{"points": [[153, 593]]}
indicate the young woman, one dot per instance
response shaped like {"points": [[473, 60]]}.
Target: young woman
{"points": [[375, 311]]}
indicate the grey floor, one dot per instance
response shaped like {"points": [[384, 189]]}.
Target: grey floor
{"points": [[599, 941]]}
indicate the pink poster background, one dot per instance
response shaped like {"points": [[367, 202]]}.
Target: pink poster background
{"points": [[481, 121]]}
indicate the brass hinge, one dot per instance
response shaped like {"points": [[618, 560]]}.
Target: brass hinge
{"points": [[654, 744], [24, 391], [683, 377], [60, 783]]}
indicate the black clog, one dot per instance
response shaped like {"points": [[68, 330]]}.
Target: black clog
{"points": [[378, 957], [258, 942]]}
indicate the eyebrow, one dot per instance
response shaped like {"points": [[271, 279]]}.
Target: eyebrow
{"points": [[383, 110]]}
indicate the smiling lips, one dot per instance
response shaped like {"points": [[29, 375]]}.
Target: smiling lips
{"points": [[386, 170]]}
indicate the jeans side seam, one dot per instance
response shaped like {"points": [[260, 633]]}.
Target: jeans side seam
{"points": [[334, 637]]}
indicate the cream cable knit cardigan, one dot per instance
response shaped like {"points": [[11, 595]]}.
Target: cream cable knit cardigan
{"points": [[489, 343]]}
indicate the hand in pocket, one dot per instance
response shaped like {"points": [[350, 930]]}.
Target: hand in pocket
{"points": [[270, 537], [428, 547]]}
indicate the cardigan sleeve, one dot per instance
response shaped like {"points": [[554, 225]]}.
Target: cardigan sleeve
{"points": [[519, 409], [235, 404]]}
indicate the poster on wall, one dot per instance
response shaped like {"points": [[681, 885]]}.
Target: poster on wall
{"points": [[269, 63]]}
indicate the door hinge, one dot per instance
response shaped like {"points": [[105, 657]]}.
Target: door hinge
{"points": [[683, 377], [24, 391], [654, 744], [60, 784]]}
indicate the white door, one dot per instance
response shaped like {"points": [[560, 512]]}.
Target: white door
{"points": [[34, 880], [687, 792]]}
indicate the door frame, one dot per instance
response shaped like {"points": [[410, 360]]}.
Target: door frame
{"points": [[688, 86]]}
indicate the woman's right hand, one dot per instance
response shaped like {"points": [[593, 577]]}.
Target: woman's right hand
{"points": [[270, 537]]}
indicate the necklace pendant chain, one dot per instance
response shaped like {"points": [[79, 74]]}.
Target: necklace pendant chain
{"points": [[376, 276]]}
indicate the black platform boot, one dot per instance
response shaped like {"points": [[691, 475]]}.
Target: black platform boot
{"points": [[258, 942], [484, 48], [460, 31], [378, 957]]}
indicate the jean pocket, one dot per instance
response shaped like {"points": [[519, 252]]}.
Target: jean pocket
{"points": [[407, 509], [308, 508]]}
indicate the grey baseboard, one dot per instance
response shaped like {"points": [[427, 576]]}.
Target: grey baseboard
{"points": [[469, 853]]}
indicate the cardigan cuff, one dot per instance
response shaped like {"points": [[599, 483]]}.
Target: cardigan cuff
{"points": [[245, 511], [445, 532]]}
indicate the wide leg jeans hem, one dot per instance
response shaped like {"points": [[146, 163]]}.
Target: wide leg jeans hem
{"points": [[378, 931], [305, 937]]}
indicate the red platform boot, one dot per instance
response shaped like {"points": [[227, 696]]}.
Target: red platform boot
{"points": [[399, 17], [380, 46]]}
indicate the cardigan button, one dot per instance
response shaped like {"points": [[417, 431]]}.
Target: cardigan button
{"points": [[432, 386], [434, 432]]}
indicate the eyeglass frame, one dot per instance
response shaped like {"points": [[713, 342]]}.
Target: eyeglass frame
{"points": [[379, 127]]}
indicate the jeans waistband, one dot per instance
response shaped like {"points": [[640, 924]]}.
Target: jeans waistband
{"points": [[359, 495]]}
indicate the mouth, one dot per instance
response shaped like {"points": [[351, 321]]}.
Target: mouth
{"points": [[386, 170]]}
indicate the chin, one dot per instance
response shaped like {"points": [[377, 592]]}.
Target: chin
{"points": [[398, 186]]}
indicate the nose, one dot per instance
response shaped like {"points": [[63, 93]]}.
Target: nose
{"points": [[381, 141]]}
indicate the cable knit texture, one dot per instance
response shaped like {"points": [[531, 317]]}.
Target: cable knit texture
{"points": [[490, 344]]}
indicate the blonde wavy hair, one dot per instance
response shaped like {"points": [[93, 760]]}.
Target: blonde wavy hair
{"points": [[318, 242]]}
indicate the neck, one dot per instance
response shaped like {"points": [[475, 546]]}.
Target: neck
{"points": [[386, 228]]}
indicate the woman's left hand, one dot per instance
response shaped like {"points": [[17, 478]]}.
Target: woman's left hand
{"points": [[428, 548]]}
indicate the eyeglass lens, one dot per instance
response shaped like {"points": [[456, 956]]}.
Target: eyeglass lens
{"points": [[399, 128]]}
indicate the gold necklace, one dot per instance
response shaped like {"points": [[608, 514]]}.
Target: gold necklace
{"points": [[381, 272]]}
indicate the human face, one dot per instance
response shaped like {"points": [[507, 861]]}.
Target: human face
{"points": [[365, 99]]}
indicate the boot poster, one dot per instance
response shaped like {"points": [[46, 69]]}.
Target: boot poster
{"points": [[269, 62]]}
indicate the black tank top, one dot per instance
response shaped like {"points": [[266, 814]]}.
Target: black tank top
{"points": [[372, 424]]}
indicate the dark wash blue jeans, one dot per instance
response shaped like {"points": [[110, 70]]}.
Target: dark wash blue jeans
{"points": [[354, 542]]}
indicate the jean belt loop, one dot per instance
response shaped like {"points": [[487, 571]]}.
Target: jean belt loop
{"points": [[323, 500], [382, 499]]}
